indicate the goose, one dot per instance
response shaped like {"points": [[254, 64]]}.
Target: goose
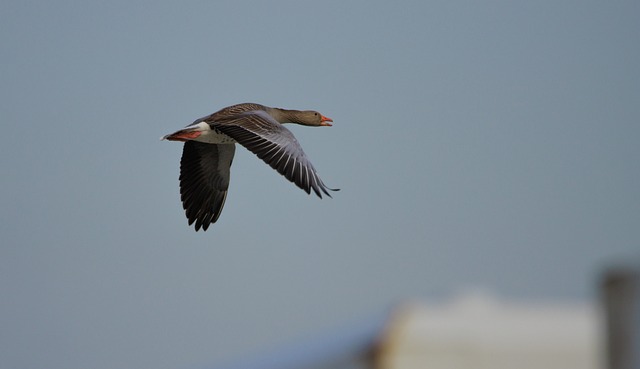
{"points": [[209, 146]]}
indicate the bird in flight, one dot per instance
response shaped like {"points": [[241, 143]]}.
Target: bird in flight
{"points": [[209, 146]]}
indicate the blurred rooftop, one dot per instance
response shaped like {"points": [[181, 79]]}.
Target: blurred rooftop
{"points": [[472, 330]]}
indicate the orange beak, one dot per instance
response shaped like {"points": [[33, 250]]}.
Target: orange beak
{"points": [[324, 121]]}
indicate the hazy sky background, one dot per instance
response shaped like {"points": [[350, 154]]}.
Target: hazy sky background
{"points": [[489, 144]]}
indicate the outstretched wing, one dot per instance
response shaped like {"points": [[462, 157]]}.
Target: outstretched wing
{"points": [[204, 180], [276, 145]]}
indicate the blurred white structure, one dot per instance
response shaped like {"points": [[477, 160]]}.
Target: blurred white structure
{"points": [[472, 331], [479, 331]]}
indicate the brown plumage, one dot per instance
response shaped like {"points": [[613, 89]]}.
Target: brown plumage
{"points": [[210, 145]]}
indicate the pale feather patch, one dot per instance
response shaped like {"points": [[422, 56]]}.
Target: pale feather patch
{"points": [[208, 135], [213, 136]]}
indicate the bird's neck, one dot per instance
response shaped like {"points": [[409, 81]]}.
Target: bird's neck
{"points": [[284, 115]]}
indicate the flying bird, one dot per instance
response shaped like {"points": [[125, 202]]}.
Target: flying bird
{"points": [[209, 146]]}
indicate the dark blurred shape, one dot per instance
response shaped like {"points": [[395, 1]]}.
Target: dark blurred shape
{"points": [[621, 295]]}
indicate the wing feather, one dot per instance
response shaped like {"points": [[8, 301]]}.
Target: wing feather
{"points": [[204, 180], [276, 146]]}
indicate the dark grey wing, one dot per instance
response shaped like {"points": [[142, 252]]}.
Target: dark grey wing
{"points": [[204, 179], [276, 145]]}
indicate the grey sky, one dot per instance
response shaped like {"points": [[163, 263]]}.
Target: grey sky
{"points": [[490, 144]]}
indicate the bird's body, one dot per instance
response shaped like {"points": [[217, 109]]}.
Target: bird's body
{"points": [[210, 145]]}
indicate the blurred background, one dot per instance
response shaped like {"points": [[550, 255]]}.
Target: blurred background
{"points": [[478, 145]]}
